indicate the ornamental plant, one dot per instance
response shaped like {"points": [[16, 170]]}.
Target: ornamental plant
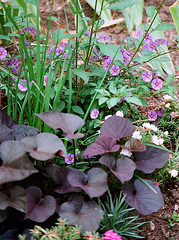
{"points": [[22, 146], [83, 73]]}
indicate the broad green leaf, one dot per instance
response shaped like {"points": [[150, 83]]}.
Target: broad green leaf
{"points": [[112, 102], [174, 10], [102, 100], [77, 109], [111, 50], [82, 74], [137, 100], [122, 4], [112, 88], [164, 26], [4, 37], [150, 11]]}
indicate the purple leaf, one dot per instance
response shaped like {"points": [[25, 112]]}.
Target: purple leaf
{"points": [[135, 145], [151, 159], [5, 133], [6, 120], [94, 183], [117, 127], [44, 146], [16, 170], [17, 199], [142, 198], [39, 209], [22, 131], [87, 214], [68, 123], [60, 177], [103, 144], [123, 169], [11, 151]]}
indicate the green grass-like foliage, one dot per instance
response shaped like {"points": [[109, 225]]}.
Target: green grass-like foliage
{"points": [[120, 217]]}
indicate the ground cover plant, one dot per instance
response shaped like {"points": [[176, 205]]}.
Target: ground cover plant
{"points": [[70, 94]]}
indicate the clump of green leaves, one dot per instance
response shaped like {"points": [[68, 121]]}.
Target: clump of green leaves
{"points": [[60, 231], [120, 217], [174, 219]]}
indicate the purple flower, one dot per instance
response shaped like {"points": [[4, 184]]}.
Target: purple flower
{"points": [[22, 85], [148, 38], [107, 63], [151, 46], [104, 37], [160, 113], [45, 80], [160, 41], [59, 50], [93, 59], [3, 53], [87, 33], [114, 70], [94, 113], [137, 33], [69, 159], [15, 70], [157, 84], [15, 62], [106, 58], [147, 76], [8, 62], [126, 58], [26, 43], [152, 115], [87, 156]]}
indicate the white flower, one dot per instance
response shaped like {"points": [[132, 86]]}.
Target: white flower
{"points": [[167, 105], [155, 140], [167, 97], [150, 126], [160, 140], [126, 152], [146, 125], [174, 173], [166, 133], [120, 114], [153, 127], [108, 116], [136, 135]]}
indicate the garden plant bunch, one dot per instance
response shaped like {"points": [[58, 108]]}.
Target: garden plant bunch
{"points": [[72, 116]]}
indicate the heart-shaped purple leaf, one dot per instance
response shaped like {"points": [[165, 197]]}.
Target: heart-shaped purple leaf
{"points": [[123, 169], [6, 120], [5, 133], [17, 199], [16, 170], [143, 198], [117, 127], [151, 159], [60, 177], [88, 215], [44, 146], [103, 144], [94, 183], [22, 131], [68, 123], [135, 145], [39, 209], [11, 151]]}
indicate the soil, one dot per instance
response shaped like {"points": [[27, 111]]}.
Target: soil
{"points": [[158, 226]]}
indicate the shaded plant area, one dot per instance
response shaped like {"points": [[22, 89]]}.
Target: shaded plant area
{"points": [[20, 157]]}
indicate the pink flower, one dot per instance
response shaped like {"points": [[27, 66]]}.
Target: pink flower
{"points": [[94, 113], [111, 235], [22, 85]]}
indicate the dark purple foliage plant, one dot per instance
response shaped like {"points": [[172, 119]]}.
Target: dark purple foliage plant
{"points": [[23, 146]]}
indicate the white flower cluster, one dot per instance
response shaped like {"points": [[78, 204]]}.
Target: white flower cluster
{"points": [[118, 113]]}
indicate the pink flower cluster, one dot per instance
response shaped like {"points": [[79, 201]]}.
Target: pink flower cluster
{"points": [[111, 235]]}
